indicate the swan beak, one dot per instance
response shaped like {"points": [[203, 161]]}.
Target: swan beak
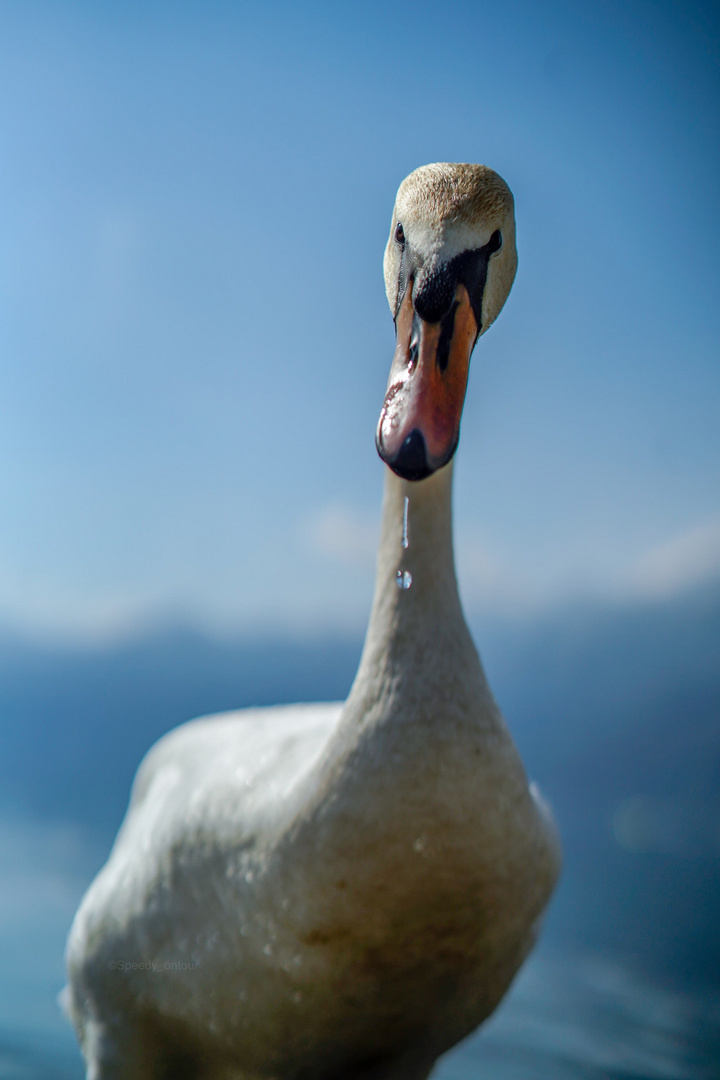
{"points": [[419, 425]]}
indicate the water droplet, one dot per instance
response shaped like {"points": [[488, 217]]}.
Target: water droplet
{"points": [[267, 949], [297, 997], [405, 541], [419, 844], [403, 579]]}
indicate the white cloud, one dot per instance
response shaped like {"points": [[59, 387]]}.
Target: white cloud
{"points": [[679, 564], [343, 533], [515, 586], [46, 610]]}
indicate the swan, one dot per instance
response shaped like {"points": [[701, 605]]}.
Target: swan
{"points": [[341, 891]]}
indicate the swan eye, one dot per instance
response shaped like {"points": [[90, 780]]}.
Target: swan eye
{"points": [[495, 242], [400, 234]]}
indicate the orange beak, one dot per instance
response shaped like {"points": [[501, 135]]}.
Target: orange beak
{"points": [[419, 425]]}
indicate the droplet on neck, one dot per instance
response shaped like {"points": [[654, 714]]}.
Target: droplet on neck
{"points": [[405, 541], [403, 579]]}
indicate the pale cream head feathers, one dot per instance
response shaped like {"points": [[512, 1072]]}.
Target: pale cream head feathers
{"points": [[446, 209]]}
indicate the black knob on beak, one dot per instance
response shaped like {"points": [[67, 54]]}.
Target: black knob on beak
{"points": [[411, 462]]}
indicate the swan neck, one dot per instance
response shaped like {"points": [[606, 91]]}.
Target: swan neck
{"points": [[426, 506], [429, 610]]}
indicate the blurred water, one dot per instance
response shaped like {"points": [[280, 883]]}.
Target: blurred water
{"points": [[625, 982]]}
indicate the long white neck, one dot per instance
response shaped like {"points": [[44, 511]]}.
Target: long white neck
{"points": [[417, 641]]}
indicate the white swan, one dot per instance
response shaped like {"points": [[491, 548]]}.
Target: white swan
{"points": [[327, 892]]}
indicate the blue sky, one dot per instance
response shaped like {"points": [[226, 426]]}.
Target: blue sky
{"points": [[194, 339]]}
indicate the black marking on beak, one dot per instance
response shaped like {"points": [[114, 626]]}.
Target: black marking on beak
{"points": [[434, 298], [434, 294], [446, 333], [411, 462]]}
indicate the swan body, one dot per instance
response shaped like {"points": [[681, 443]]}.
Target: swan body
{"points": [[341, 891]]}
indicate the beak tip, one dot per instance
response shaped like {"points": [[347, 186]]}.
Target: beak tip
{"points": [[411, 460]]}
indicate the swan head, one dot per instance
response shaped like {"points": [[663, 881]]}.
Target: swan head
{"points": [[449, 265]]}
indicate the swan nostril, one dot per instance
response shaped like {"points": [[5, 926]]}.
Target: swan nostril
{"points": [[411, 462], [414, 341]]}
